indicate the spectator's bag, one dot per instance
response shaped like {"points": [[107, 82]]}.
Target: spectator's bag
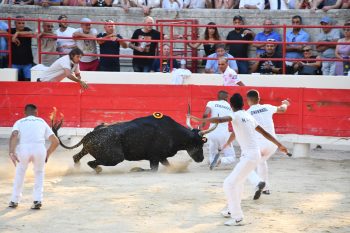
{"points": [[308, 70]]}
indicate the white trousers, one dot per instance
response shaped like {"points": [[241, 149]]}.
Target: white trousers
{"points": [[233, 184], [216, 142], [267, 149], [35, 153]]}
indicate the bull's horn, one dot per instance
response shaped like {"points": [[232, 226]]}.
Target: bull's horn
{"points": [[188, 122], [203, 132]]}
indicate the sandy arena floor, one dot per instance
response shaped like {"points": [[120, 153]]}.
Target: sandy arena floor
{"points": [[308, 195]]}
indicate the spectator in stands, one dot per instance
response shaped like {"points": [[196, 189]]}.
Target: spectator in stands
{"points": [[225, 4], [212, 66], [82, 36], [278, 4], [211, 34], [252, 4], [196, 4], [326, 50], [326, 5], [48, 44], [144, 48], [303, 4], [65, 45], [172, 4], [3, 45], [307, 67], [181, 74], [19, 2], [112, 46], [65, 67], [47, 3], [268, 66], [74, 3], [146, 5], [102, 3], [239, 50], [345, 4], [342, 51], [297, 34], [230, 77], [166, 67], [267, 33], [22, 56]]}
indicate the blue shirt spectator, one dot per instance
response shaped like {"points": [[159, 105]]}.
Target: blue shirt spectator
{"points": [[296, 35], [267, 33], [3, 43]]}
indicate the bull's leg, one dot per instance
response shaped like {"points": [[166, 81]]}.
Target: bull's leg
{"points": [[165, 162], [154, 165], [77, 157], [95, 165]]}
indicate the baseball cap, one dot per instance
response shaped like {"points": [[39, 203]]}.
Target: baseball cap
{"points": [[85, 20], [238, 17], [325, 19], [183, 62], [62, 17]]}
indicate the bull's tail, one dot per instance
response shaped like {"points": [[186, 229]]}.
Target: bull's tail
{"points": [[56, 125]]}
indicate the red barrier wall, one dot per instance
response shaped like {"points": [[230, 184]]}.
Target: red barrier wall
{"points": [[319, 112]]}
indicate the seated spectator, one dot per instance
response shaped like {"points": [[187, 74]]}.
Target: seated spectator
{"points": [[345, 4], [102, 3], [3, 45], [172, 4], [195, 4], [65, 45], [230, 77], [278, 5], [146, 5], [306, 67], [112, 46], [252, 4], [19, 2], [212, 66], [297, 34], [225, 4], [74, 3], [48, 44], [327, 50], [268, 66], [166, 67], [326, 5], [47, 3], [211, 34], [181, 74], [65, 67], [342, 51], [81, 35], [268, 33], [303, 4]]}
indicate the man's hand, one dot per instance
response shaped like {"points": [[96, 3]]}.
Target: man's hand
{"points": [[83, 85], [286, 102], [283, 149], [14, 158], [16, 41]]}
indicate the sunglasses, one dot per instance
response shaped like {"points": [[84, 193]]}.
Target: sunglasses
{"points": [[306, 50], [295, 22]]}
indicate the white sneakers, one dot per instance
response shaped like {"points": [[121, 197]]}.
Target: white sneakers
{"points": [[225, 213], [234, 222]]}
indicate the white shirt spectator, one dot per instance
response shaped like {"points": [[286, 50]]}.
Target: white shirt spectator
{"points": [[65, 42], [172, 4], [55, 73], [179, 75], [260, 4], [274, 5], [194, 4], [230, 77], [150, 3], [87, 46]]}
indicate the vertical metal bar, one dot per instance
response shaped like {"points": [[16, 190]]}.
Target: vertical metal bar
{"points": [[9, 42], [39, 41], [171, 47], [284, 47]]}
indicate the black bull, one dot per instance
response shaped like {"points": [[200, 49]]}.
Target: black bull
{"points": [[146, 138]]}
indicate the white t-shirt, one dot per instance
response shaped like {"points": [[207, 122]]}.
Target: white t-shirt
{"points": [[260, 4], [55, 73], [32, 130], [274, 5], [150, 3], [67, 33], [172, 5], [220, 108], [195, 4], [230, 77], [244, 127], [263, 113], [178, 75], [87, 46]]}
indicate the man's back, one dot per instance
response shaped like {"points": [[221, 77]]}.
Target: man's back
{"points": [[263, 113], [220, 108]]}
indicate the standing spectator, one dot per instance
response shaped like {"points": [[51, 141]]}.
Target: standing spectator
{"points": [[326, 5], [3, 45], [230, 77], [211, 34], [165, 61], [48, 44], [268, 33], [86, 42], [212, 66], [239, 50], [172, 4], [22, 56], [342, 51], [326, 50], [146, 5], [47, 3], [268, 66], [65, 67], [144, 48], [225, 4], [305, 67], [30, 132], [296, 35], [65, 45], [252, 4], [102, 3], [112, 46]]}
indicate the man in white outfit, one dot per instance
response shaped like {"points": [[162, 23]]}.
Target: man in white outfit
{"points": [[245, 127], [263, 114], [32, 132], [220, 135]]}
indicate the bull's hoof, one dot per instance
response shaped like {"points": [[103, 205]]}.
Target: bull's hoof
{"points": [[137, 169], [77, 165], [98, 169]]}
